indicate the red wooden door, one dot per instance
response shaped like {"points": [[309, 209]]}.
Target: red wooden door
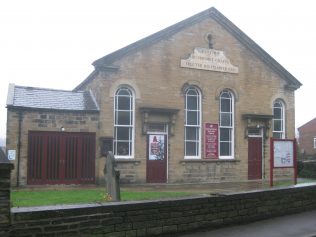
{"points": [[254, 158], [61, 158], [157, 158]]}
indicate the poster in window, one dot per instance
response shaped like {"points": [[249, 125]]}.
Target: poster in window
{"points": [[210, 141], [156, 147], [283, 153]]}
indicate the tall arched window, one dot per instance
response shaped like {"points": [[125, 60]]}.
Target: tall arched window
{"points": [[278, 119], [226, 123], [124, 123], [192, 137]]}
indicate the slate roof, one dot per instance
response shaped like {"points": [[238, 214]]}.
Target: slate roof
{"points": [[308, 124], [3, 157], [105, 63], [50, 99]]}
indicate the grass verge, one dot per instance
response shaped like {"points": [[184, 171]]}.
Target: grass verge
{"points": [[291, 182], [22, 198]]}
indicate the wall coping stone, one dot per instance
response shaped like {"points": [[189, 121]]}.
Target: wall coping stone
{"points": [[124, 204]]}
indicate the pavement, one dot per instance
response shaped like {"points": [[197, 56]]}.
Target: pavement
{"points": [[195, 188], [200, 188], [295, 225], [214, 188]]}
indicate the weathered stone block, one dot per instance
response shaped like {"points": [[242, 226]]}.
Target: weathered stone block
{"points": [[116, 234], [89, 223], [5, 216], [124, 226], [141, 232], [170, 229], [154, 231], [55, 228], [131, 233]]}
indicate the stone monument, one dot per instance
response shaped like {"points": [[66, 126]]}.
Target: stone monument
{"points": [[112, 178]]}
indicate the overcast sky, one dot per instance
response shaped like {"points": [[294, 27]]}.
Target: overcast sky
{"points": [[52, 44]]}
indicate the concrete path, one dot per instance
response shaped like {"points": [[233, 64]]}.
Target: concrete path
{"points": [[200, 188], [296, 225]]}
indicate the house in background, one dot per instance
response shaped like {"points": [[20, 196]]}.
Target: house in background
{"points": [[195, 102], [307, 139]]}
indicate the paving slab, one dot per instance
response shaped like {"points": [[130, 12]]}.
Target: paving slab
{"points": [[295, 225]]}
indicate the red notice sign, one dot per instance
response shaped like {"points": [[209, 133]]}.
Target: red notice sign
{"points": [[210, 141]]}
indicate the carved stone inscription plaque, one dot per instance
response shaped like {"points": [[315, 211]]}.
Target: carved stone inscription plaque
{"points": [[209, 59]]}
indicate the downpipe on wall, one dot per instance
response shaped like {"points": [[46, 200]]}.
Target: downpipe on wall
{"points": [[20, 116]]}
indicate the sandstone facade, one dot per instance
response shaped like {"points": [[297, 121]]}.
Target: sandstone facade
{"points": [[152, 70]]}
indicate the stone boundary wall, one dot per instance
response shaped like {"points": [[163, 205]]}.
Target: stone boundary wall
{"points": [[5, 191], [164, 217]]}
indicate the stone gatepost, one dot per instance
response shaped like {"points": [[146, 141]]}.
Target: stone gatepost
{"points": [[112, 178], [5, 189]]}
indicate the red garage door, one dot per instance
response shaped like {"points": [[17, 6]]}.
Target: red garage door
{"points": [[61, 158]]}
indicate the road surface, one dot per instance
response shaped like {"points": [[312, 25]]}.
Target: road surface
{"points": [[302, 225]]}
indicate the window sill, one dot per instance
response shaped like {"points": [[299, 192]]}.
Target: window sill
{"points": [[184, 161], [129, 160]]}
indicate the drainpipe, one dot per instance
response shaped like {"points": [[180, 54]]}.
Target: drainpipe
{"points": [[263, 152], [20, 115]]}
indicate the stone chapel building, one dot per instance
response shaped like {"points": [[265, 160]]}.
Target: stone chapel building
{"points": [[195, 102]]}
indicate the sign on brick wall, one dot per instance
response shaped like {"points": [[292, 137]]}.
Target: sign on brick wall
{"points": [[210, 141]]}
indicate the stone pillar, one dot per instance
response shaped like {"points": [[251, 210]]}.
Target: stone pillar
{"points": [[112, 178], [5, 189]]}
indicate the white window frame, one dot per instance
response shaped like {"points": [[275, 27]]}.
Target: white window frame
{"points": [[131, 126], [281, 119], [197, 126], [314, 142], [231, 127]]}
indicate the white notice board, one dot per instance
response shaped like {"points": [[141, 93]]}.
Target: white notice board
{"points": [[11, 154], [283, 152]]}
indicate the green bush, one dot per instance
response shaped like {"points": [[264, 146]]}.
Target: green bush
{"points": [[307, 169], [300, 166]]}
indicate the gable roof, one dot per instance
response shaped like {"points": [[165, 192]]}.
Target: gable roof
{"points": [[308, 124], [50, 99], [105, 62]]}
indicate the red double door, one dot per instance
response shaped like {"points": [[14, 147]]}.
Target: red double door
{"points": [[157, 158], [61, 158]]}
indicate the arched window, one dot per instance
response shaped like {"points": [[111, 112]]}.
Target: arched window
{"points": [[278, 119], [192, 127], [124, 123], [226, 123]]}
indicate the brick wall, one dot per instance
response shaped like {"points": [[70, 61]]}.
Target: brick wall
{"points": [[146, 218], [5, 207], [306, 138]]}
